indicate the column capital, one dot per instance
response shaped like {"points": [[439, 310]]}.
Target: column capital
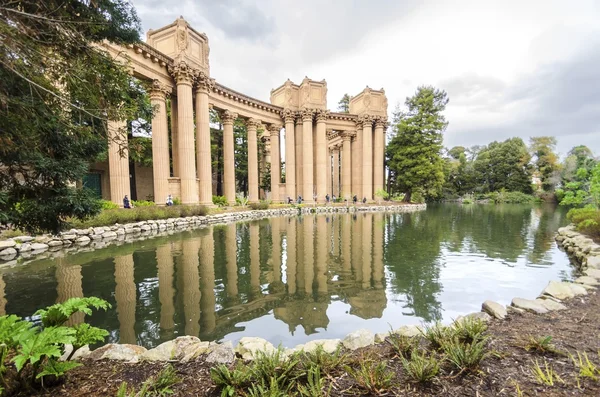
{"points": [[365, 119], [322, 115], [159, 90], [288, 115], [228, 117], [204, 83], [183, 73], [348, 135], [335, 149], [307, 114], [274, 129], [253, 123], [381, 121]]}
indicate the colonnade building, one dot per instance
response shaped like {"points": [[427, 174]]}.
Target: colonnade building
{"points": [[325, 152]]}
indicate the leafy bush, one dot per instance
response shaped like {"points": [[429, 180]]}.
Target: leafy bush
{"points": [[143, 203], [586, 219], [220, 201], [262, 205], [108, 205], [38, 348], [176, 201], [504, 197]]}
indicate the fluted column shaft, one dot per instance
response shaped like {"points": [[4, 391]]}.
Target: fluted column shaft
{"points": [[160, 143], [228, 156], [336, 171], [185, 138], [328, 170], [307, 155], [321, 156], [203, 153], [252, 126], [174, 140], [290, 156], [367, 160], [275, 163], [378, 156], [346, 166], [299, 158], [118, 161], [357, 162]]}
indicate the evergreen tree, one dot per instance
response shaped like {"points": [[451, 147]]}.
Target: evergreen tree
{"points": [[413, 154], [546, 161], [58, 90], [344, 104]]}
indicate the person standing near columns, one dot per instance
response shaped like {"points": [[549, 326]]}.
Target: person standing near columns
{"points": [[367, 158], [160, 142], [307, 154], [290, 157], [347, 165], [321, 157], [184, 76], [205, 85], [118, 161], [252, 126], [275, 163], [228, 118], [379, 154]]}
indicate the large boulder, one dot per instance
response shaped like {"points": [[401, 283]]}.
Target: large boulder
{"points": [[175, 349], [7, 244], [409, 330], [249, 346], [482, 316], [113, 351], [593, 262], [595, 273], [558, 290], [551, 304], [529, 305], [587, 280], [328, 345], [221, 354], [358, 339], [494, 309]]}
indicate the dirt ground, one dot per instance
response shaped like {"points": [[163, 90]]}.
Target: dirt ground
{"points": [[507, 372]]}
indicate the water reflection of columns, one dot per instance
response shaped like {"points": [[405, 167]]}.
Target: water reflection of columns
{"points": [[125, 295], [367, 246], [166, 292], [290, 255], [191, 285], [2, 296], [254, 258], [231, 261], [276, 253], [308, 236], [68, 279], [378, 269], [300, 255], [322, 238], [346, 243], [356, 245], [207, 282]]}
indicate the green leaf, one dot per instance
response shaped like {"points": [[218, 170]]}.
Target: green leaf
{"points": [[88, 335], [11, 327], [57, 368], [34, 346], [59, 313]]}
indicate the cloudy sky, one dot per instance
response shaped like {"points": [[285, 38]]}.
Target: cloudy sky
{"points": [[511, 68]]}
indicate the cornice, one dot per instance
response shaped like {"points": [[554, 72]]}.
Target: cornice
{"points": [[244, 99]]}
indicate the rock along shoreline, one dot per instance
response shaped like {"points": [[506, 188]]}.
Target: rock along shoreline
{"points": [[583, 250], [20, 249]]}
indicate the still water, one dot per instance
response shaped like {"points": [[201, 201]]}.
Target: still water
{"points": [[294, 279]]}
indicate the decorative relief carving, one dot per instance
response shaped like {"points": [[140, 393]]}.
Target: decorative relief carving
{"points": [[183, 73], [228, 117], [182, 40], [159, 90], [253, 123], [288, 115], [367, 99], [307, 114], [348, 135], [205, 83], [364, 120], [275, 129], [381, 121], [322, 115]]}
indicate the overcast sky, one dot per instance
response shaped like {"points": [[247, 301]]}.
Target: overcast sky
{"points": [[511, 68]]}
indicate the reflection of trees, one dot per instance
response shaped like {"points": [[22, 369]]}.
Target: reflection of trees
{"points": [[550, 220]]}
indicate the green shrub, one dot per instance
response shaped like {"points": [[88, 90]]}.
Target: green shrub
{"points": [[503, 197], [465, 356], [261, 205], [220, 201], [108, 205], [438, 334], [373, 377], [467, 201], [469, 330], [586, 219], [143, 203], [420, 367], [176, 201]]}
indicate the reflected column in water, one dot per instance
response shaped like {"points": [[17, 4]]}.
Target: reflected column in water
{"points": [[191, 285], [299, 254], [378, 270], [322, 238], [68, 285], [231, 261], [290, 255], [166, 292], [207, 282], [308, 249], [356, 246], [3, 300], [346, 219], [276, 252], [367, 243], [125, 295], [254, 258]]}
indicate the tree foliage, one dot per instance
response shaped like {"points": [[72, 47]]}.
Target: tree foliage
{"points": [[413, 154], [58, 90], [344, 104], [545, 160]]}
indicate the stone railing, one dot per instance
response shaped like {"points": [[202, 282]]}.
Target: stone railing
{"points": [[17, 249]]}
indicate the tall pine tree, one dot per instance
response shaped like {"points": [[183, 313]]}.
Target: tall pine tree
{"points": [[414, 153]]}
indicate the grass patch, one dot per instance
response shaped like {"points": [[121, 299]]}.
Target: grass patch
{"points": [[159, 385], [469, 330], [326, 362], [546, 375], [420, 367], [372, 377], [542, 345], [587, 369], [403, 345], [315, 384], [438, 335], [586, 219], [465, 356], [275, 365], [261, 205], [230, 380]]}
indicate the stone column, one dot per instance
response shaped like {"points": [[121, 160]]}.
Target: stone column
{"points": [[336, 171], [367, 159], [228, 118], [299, 157], [378, 154], [346, 165], [321, 157], [328, 168], [174, 139], [185, 76], [357, 161], [275, 163], [166, 293], [307, 155], [252, 125], [160, 142], [125, 295], [118, 161], [290, 154], [203, 154]]}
